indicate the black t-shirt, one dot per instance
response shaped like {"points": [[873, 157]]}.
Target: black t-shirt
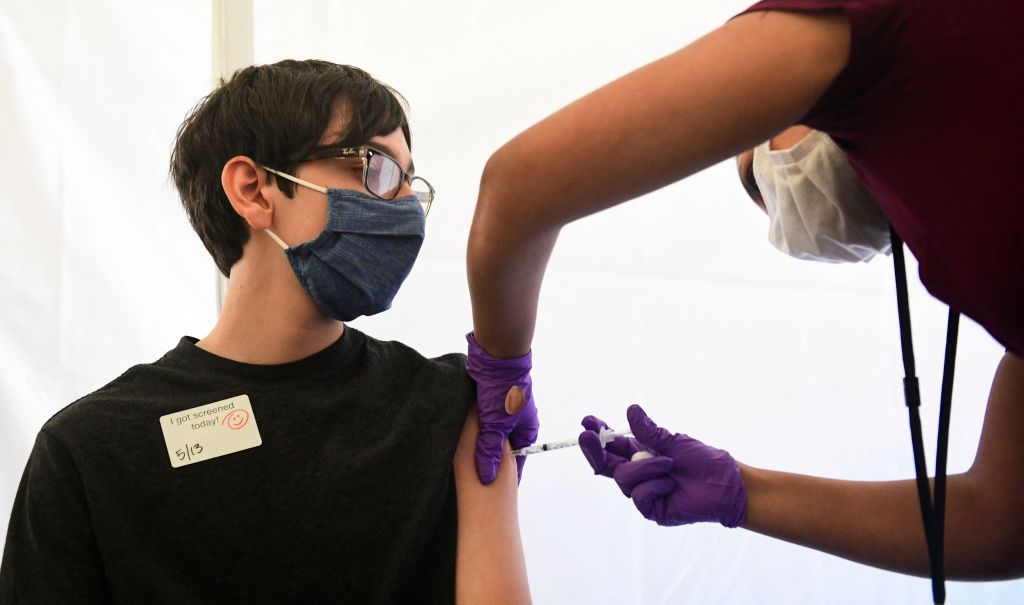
{"points": [[349, 499]]}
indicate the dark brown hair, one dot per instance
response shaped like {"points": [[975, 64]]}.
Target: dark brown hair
{"points": [[275, 115]]}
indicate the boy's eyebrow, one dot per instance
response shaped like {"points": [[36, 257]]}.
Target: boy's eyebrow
{"points": [[411, 170]]}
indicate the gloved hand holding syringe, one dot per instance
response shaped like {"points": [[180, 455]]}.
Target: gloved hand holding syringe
{"points": [[652, 467]]}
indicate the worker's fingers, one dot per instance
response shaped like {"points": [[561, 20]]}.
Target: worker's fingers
{"points": [[604, 459], [520, 464], [623, 446], [648, 497], [593, 451], [524, 435], [630, 474], [645, 431], [489, 452], [614, 461], [593, 423]]}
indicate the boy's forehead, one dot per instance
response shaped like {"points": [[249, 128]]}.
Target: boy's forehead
{"points": [[335, 130], [393, 144]]}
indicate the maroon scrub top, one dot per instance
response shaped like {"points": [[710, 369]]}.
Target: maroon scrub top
{"points": [[930, 112]]}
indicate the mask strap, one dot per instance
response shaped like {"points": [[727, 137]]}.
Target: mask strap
{"points": [[932, 510], [273, 236], [296, 179]]}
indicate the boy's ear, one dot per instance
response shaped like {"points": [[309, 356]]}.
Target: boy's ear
{"points": [[244, 183]]}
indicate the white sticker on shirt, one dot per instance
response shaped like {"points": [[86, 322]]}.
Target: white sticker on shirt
{"points": [[209, 431]]}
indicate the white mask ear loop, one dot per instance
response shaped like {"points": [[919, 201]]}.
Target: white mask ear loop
{"points": [[274, 237], [294, 179]]}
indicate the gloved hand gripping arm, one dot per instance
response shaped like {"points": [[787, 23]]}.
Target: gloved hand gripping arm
{"points": [[505, 403]]}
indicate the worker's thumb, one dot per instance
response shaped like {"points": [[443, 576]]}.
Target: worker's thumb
{"points": [[646, 432]]}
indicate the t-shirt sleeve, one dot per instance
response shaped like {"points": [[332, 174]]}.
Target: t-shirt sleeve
{"points": [[875, 26], [51, 555], [454, 394]]}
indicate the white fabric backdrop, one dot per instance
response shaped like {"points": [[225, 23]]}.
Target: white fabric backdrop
{"points": [[676, 301]]}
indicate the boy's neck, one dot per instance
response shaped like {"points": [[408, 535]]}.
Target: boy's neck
{"points": [[268, 318]]}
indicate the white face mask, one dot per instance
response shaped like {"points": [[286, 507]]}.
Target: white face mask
{"points": [[817, 207]]}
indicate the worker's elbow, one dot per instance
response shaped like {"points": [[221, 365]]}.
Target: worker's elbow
{"points": [[496, 177], [492, 170], [996, 534], [1007, 553], [497, 207]]}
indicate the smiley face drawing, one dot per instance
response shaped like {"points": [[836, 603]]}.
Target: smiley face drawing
{"points": [[235, 420]]}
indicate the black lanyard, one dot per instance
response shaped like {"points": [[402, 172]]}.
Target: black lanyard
{"points": [[933, 513]]}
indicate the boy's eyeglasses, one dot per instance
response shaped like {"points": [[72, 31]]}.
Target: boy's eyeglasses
{"points": [[382, 176]]}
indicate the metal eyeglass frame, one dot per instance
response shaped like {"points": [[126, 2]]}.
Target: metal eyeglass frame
{"points": [[364, 153]]}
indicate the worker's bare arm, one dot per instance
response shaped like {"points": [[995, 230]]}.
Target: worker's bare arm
{"points": [[879, 523], [733, 88]]}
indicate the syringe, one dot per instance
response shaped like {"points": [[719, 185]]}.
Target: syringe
{"points": [[606, 435]]}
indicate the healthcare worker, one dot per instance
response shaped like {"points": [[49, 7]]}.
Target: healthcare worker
{"points": [[926, 100]]}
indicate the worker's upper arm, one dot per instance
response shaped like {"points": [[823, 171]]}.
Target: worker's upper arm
{"points": [[489, 560], [728, 91]]}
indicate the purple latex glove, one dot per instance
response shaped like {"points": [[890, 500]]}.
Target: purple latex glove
{"points": [[605, 459], [685, 482], [494, 378]]}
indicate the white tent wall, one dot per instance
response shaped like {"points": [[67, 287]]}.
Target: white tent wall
{"points": [[100, 267], [676, 301]]}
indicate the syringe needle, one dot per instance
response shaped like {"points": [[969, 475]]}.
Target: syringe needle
{"points": [[606, 437]]}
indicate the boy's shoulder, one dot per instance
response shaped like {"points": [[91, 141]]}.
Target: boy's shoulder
{"points": [[438, 383], [113, 402], [399, 353]]}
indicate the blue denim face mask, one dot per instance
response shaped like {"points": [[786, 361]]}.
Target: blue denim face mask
{"points": [[366, 250]]}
